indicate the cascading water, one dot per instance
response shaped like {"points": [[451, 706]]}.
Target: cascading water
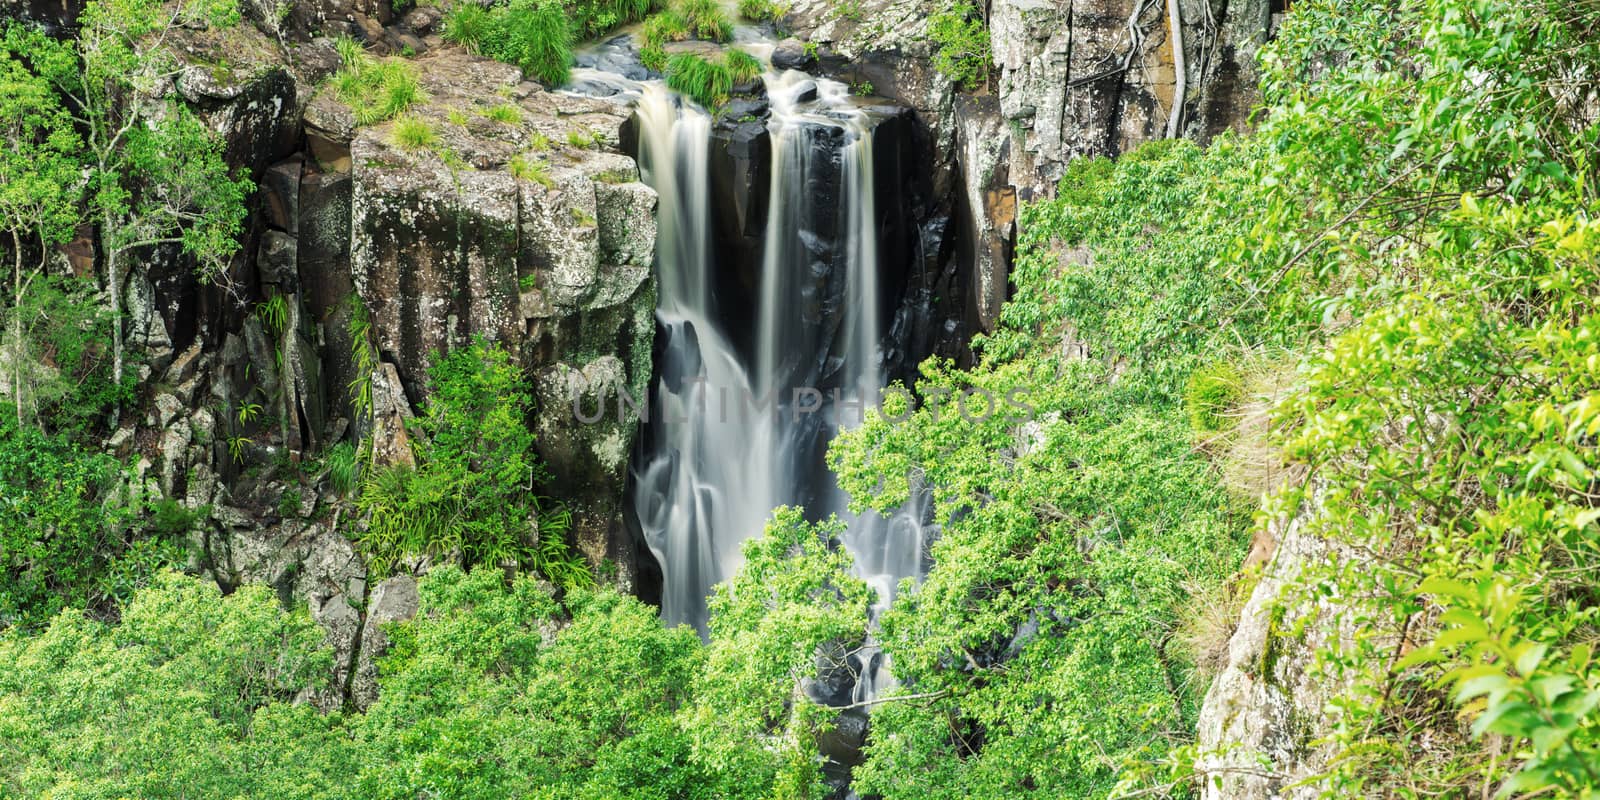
{"points": [[696, 500], [735, 433]]}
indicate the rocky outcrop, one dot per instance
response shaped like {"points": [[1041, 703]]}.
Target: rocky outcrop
{"points": [[447, 244], [1070, 78], [361, 261], [1258, 729]]}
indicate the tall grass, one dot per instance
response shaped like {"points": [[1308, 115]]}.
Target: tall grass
{"points": [[538, 35], [762, 10], [667, 26], [706, 19], [375, 90], [709, 82]]}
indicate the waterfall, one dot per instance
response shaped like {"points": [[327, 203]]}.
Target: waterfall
{"points": [[695, 497], [715, 464]]}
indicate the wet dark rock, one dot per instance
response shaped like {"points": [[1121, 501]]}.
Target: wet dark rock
{"points": [[791, 54]]}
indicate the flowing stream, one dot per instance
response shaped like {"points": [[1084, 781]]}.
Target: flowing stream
{"points": [[738, 427]]}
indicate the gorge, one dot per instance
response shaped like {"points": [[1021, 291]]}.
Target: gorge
{"points": [[570, 398]]}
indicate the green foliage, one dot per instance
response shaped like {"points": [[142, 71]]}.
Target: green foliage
{"points": [[412, 133], [64, 366], [471, 494], [538, 35], [1041, 636], [494, 689], [794, 597], [185, 697], [963, 41], [763, 10], [65, 519], [709, 82]]}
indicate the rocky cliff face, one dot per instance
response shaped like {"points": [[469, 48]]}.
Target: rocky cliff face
{"points": [[1070, 78], [1259, 726], [363, 261]]}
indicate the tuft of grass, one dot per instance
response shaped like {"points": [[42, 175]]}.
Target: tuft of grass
{"points": [[411, 133], [343, 468], [584, 139], [710, 82], [458, 117], [763, 10], [538, 35], [1211, 396], [582, 217], [741, 65], [539, 142], [469, 25], [667, 26], [705, 19], [531, 168], [351, 52], [507, 113], [375, 90]]}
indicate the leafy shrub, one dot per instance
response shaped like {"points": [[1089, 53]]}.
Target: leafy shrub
{"points": [[64, 521], [963, 41], [470, 495], [763, 10]]}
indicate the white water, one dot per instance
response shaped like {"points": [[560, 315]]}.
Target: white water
{"points": [[714, 468]]}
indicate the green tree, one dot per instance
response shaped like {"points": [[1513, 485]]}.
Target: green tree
{"points": [[166, 704], [155, 171], [65, 523], [39, 186]]}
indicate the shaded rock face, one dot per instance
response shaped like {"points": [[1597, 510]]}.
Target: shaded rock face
{"points": [[1071, 78], [251, 381], [1261, 720], [556, 270]]}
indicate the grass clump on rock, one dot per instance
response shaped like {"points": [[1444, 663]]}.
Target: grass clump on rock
{"points": [[411, 133], [375, 90], [709, 82], [538, 35]]}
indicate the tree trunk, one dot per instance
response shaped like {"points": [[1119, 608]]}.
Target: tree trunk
{"points": [[16, 328], [114, 288], [1180, 69]]}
